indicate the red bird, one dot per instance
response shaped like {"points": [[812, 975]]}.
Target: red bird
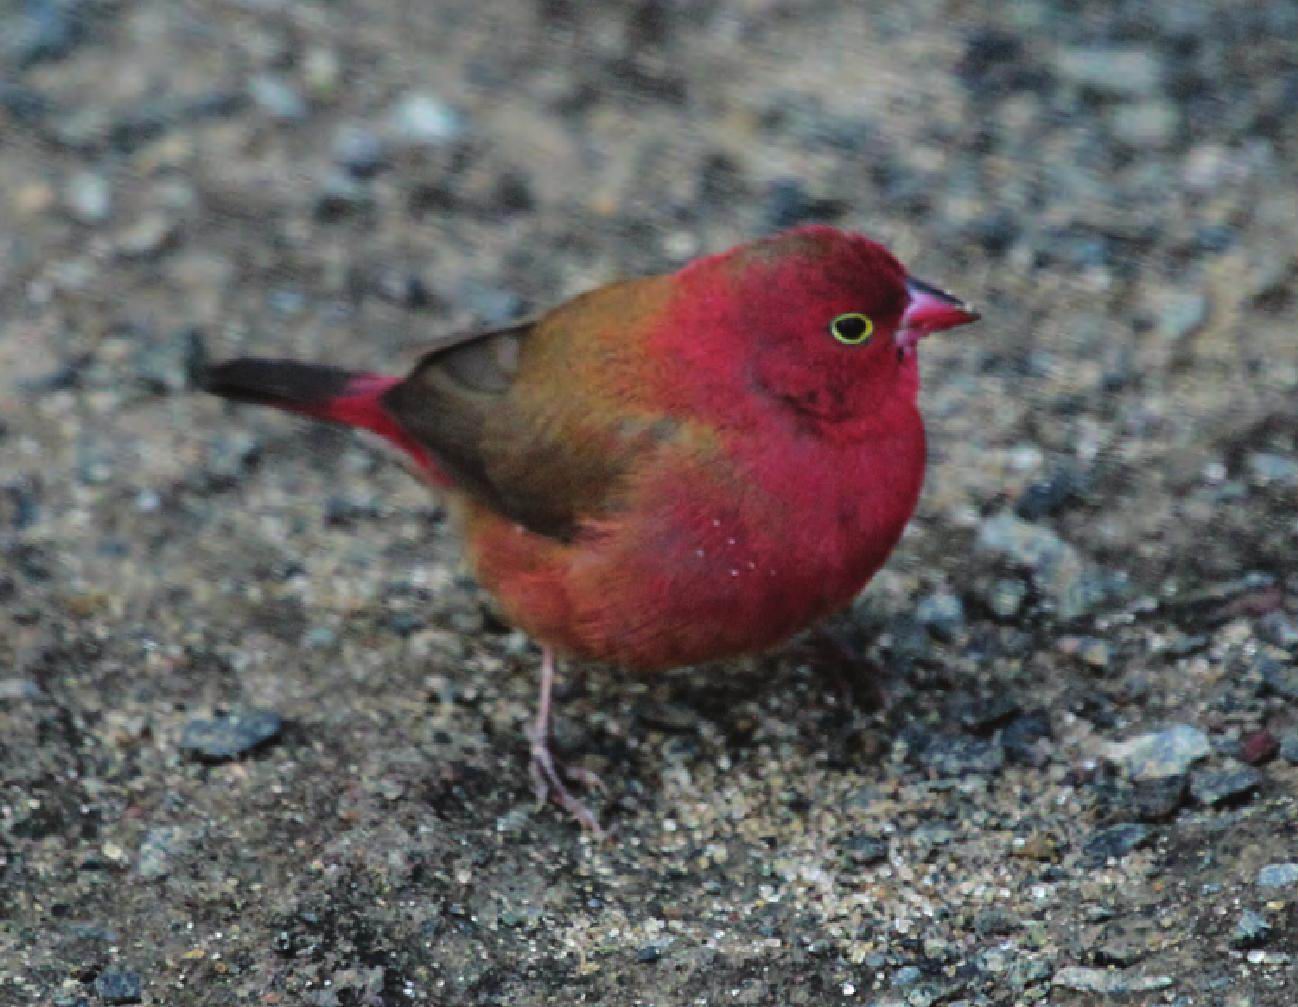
{"points": [[667, 470]]}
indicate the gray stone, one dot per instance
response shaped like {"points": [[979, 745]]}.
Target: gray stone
{"points": [[230, 736], [1269, 468], [1169, 752], [982, 715], [942, 614], [166, 366], [1026, 739], [277, 98], [424, 120], [1281, 677], [866, 850], [119, 986], [1278, 876], [1115, 842], [1144, 124], [148, 237], [1157, 799], [995, 921], [359, 151], [1005, 597], [1278, 629], [1116, 72], [1056, 567], [160, 848], [1289, 747], [1225, 786], [19, 690], [1184, 314], [950, 755], [89, 198], [1251, 930], [1107, 981], [341, 195]]}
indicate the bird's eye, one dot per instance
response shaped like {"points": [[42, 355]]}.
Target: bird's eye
{"points": [[853, 329]]}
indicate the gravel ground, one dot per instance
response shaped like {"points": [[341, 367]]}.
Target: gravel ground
{"points": [[261, 740]]}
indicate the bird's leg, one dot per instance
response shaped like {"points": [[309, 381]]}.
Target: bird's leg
{"points": [[546, 781]]}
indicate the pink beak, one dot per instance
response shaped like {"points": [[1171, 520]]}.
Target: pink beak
{"points": [[930, 310]]}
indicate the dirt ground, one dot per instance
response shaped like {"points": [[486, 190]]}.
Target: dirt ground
{"points": [[261, 739]]}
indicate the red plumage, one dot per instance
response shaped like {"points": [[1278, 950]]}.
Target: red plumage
{"points": [[670, 470]]}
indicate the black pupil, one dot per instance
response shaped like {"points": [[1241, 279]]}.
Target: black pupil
{"points": [[851, 327]]}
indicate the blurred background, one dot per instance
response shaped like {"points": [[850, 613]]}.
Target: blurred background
{"points": [[260, 738]]}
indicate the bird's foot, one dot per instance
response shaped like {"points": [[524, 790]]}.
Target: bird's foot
{"points": [[859, 682], [547, 783]]}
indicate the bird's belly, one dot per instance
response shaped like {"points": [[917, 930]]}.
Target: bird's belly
{"points": [[705, 593], [699, 573]]}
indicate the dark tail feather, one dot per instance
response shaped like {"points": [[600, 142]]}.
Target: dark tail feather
{"points": [[284, 384], [351, 398]]}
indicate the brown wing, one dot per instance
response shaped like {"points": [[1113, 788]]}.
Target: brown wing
{"points": [[541, 421]]}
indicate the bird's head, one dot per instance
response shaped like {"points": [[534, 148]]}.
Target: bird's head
{"points": [[826, 321]]}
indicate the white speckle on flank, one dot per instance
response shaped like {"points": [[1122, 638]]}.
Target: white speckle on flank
{"points": [[752, 565], [734, 573], [716, 522], [699, 553], [730, 541]]}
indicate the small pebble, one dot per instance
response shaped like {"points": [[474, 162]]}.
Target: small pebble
{"points": [[1121, 72], [119, 986], [942, 614], [1267, 468], [1225, 786], [1050, 496], [19, 690], [277, 98], [952, 755], [359, 151], [424, 120], [1184, 314], [1251, 930], [1005, 597], [1026, 739], [160, 848], [1158, 799], [1280, 677], [985, 714], [1107, 981], [1278, 629], [1169, 752], [148, 237], [230, 736], [995, 921], [341, 196], [1258, 747], [89, 198], [1115, 842], [866, 850], [1146, 124], [1278, 876]]}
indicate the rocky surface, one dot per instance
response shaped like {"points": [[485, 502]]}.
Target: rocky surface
{"points": [[261, 740]]}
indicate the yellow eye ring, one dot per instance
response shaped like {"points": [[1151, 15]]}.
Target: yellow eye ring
{"points": [[852, 329]]}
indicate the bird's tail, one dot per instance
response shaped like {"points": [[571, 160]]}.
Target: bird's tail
{"points": [[350, 398]]}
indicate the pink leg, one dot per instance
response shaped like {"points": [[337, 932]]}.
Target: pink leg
{"points": [[546, 781]]}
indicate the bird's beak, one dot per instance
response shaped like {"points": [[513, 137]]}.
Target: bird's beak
{"points": [[930, 310]]}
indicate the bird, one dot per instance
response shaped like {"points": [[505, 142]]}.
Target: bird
{"points": [[668, 470]]}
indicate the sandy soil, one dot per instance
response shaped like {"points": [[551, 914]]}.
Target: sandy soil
{"points": [[1083, 789]]}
